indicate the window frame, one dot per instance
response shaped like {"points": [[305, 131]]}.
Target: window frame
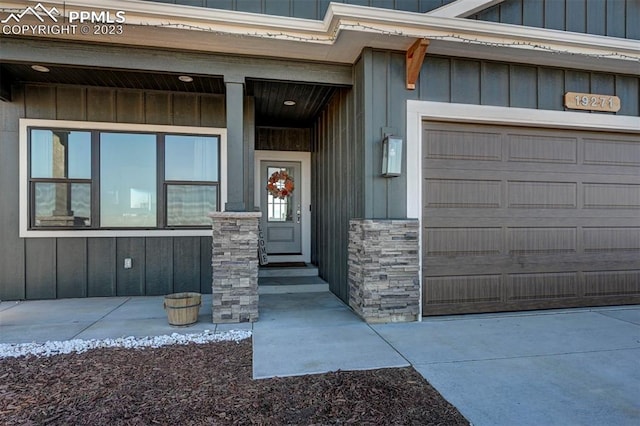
{"points": [[164, 183], [26, 193], [32, 182]]}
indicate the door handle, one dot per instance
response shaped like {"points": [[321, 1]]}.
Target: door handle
{"points": [[298, 213]]}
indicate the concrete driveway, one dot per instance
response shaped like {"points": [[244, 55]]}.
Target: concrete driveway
{"points": [[560, 367]]}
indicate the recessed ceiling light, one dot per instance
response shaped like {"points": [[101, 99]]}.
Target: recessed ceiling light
{"points": [[185, 78], [289, 103], [40, 68]]}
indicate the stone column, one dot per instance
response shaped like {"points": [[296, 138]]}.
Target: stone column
{"points": [[384, 268], [235, 266]]}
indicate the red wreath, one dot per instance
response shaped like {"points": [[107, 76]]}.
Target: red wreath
{"points": [[280, 185]]}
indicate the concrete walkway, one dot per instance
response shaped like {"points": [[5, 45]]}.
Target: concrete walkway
{"points": [[309, 333], [96, 318], [560, 367]]}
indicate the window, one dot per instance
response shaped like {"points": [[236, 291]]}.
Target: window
{"points": [[128, 180], [60, 178], [191, 173], [112, 179]]}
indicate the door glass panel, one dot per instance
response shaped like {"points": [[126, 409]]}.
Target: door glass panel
{"points": [[280, 187]]}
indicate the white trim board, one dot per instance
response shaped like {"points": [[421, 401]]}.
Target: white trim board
{"points": [[25, 123], [305, 201]]}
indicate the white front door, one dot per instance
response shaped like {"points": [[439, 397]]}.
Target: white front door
{"points": [[281, 208]]}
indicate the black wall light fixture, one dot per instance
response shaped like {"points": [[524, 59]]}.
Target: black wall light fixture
{"points": [[391, 156]]}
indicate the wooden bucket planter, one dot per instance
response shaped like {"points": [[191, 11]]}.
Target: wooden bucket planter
{"points": [[182, 308]]}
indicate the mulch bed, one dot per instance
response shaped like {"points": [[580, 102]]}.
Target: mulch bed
{"points": [[207, 384]]}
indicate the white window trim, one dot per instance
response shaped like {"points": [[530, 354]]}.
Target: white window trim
{"points": [[420, 111], [25, 123]]}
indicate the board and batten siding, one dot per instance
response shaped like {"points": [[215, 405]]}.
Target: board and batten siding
{"points": [[12, 248], [518, 85], [612, 18], [306, 9], [337, 168], [382, 106], [45, 268], [465, 81], [283, 139]]}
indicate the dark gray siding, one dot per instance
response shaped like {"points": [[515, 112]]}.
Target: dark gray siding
{"points": [[337, 167], [307, 9], [384, 106], [41, 268], [492, 83], [444, 79], [380, 107], [283, 139], [12, 248], [71, 271], [159, 261], [101, 269], [614, 18]]}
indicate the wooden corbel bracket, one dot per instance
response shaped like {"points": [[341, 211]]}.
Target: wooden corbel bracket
{"points": [[415, 57]]}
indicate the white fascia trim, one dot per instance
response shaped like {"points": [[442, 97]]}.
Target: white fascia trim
{"points": [[463, 8], [217, 20], [470, 31], [344, 17], [25, 123], [419, 111]]}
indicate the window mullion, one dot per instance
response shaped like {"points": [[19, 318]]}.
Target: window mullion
{"points": [[161, 191], [95, 179]]}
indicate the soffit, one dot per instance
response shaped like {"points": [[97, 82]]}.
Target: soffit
{"points": [[269, 95], [123, 79]]}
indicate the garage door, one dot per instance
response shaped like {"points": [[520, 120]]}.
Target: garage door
{"points": [[522, 218]]}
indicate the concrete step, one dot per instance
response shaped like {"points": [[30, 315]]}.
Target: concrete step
{"points": [[303, 271], [281, 285]]}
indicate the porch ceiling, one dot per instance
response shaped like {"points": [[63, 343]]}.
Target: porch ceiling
{"points": [[122, 79], [269, 95]]}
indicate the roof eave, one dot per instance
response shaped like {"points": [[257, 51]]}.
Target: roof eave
{"points": [[347, 29]]}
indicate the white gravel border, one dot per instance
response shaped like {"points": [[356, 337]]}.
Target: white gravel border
{"points": [[51, 348]]}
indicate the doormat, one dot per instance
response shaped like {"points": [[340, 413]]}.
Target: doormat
{"points": [[285, 265]]}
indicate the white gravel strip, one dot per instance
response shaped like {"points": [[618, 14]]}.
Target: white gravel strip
{"points": [[13, 350]]}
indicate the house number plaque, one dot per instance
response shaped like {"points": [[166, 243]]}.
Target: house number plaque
{"points": [[591, 102]]}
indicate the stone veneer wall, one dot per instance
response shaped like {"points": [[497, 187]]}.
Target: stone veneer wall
{"points": [[384, 269], [235, 266]]}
